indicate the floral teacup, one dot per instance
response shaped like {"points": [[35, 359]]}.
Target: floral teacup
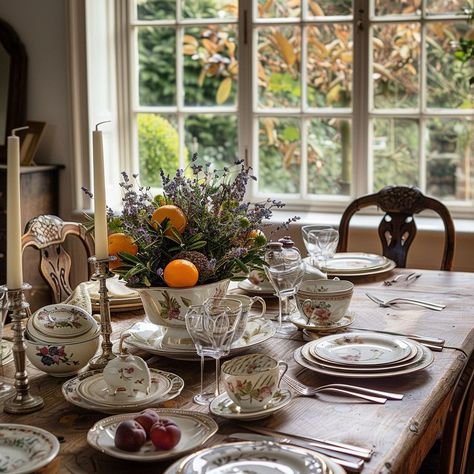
{"points": [[252, 380], [127, 375], [324, 302]]}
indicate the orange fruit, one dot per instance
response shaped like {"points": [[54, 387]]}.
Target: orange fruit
{"points": [[120, 242], [174, 214], [180, 273]]}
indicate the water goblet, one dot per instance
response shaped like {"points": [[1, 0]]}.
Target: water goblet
{"points": [[309, 240], [324, 242]]}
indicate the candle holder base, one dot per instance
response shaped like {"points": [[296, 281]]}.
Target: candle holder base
{"points": [[22, 404], [102, 272]]}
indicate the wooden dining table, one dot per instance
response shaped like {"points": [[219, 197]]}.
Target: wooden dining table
{"points": [[401, 433]]}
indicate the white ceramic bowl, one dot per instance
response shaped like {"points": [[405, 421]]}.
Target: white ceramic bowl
{"points": [[324, 302], [61, 359]]}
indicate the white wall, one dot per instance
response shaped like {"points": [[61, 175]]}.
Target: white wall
{"points": [[41, 25]]}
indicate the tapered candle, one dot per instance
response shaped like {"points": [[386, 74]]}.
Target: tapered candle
{"points": [[14, 260], [100, 217]]}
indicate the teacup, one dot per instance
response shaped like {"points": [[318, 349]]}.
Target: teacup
{"points": [[247, 303], [324, 302], [252, 380]]}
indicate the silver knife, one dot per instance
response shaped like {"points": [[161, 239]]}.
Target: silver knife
{"points": [[415, 337], [350, 462]]}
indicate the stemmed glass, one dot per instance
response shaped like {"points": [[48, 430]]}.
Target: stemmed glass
{"points": [[325, 242], [212, 329]]}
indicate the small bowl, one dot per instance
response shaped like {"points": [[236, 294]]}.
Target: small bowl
{"points": [[61, 322], [61, 359], [324, 302]]}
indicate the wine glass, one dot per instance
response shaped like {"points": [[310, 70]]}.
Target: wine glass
{"points": [[309, 240], [285, 279], [323, 243]]}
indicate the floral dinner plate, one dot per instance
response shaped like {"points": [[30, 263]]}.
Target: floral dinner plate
{"points": [[25, 448], [196, 429], [223, 406]]}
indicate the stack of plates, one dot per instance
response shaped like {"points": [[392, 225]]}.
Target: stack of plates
{"points": [[363, 355], [349, 264], [255, 457], [89, 391], [148, 337], [121, 297]]}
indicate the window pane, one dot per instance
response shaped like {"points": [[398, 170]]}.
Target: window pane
{"points": [[278, 8], [158, 147], [329, 7], [279, 66], [157, 69], [156, 9], [447, 77], [329, 156], [395, 152], [391, 7], [279, 155], [210, 8], [446, 6], [213, 137], [210, 65], [450, 158], [330, 65], [395, 70]]}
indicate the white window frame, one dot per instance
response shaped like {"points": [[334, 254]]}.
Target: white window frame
{"points": [[361, 114]]}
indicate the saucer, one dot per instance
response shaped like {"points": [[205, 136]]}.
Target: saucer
{"points": [[223, 406], [95, 390], [302, 323], [250, 287]]}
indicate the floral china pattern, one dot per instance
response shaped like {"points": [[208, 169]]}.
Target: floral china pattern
{"points": [[171, 309], [73, 322], [356, 355], [53, 355], [248, 336], [320, 311], [246, 390]]}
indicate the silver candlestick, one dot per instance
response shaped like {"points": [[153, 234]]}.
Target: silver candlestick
{"points": [[102, 272], [23, 401]]}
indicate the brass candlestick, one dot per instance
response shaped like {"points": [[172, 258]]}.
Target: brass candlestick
{"points": [[102, 272], [23, 401]]}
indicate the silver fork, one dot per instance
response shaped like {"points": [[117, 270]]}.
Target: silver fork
{"points": [[305, 391], [388, 303]]}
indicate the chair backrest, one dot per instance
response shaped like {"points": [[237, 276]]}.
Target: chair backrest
{"points": [[397, 228], [48, 234]]}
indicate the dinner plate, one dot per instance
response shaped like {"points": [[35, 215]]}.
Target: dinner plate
{"points": [[301, 322], [253, 457], [359, 273], [223, 406], [312, 360], [333, 468], [354, 261], [426, 359], [94, 389], [250, 287], [361, 349], [196, 429], [148, 336], [25, 448], [70, 393]]}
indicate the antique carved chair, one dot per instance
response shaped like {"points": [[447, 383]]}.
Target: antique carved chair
{"points": [[48, 234], [397, 228]]}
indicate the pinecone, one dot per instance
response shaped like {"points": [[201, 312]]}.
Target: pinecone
{"points": [[200, 260]]}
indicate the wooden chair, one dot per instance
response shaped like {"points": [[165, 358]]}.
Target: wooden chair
{"points": [[48, 234], [397, 228]]}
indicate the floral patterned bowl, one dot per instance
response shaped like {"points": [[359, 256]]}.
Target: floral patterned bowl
{"points": [[324, 302], [251, 380], [61, 359]]}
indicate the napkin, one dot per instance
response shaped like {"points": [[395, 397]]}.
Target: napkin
{"points": [[80, 297], [116, 288]]}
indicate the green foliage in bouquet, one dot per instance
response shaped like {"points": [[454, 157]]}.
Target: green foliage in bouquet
{"points": [[222, 234]]}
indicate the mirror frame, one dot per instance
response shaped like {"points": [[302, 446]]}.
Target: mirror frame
{"points": [[16, 106]]}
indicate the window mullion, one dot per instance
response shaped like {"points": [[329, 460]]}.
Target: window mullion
{"points": [[422, 103]]}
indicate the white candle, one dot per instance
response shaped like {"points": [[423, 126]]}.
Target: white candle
{"points": [[100, 218], [14, 260]]}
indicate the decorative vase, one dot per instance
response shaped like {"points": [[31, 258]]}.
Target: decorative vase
{"points": [[167, 307]]}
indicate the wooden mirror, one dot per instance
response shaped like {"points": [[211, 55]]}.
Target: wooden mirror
{"points": [[13, 70]]}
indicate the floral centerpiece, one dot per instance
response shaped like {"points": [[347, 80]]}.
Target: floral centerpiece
{"points": [[184, 245]]}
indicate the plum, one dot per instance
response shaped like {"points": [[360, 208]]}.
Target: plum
{"points": [[147, 418], [165, 434], [129, 435]]}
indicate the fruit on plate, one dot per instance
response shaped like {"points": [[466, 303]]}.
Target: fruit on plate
{"points": [[180, 273], [165, 434], [129, 435], [120, 242], [147, 418], [174, 215]]}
